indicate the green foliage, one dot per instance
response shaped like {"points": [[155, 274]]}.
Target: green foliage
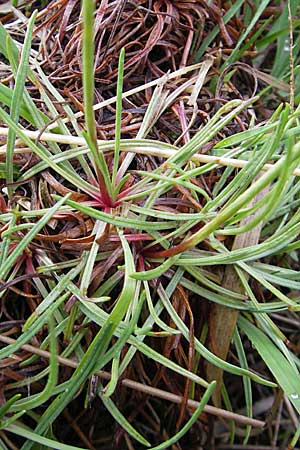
{"points": [[178, 248]]}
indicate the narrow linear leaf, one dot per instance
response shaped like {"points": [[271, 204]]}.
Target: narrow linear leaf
{"points": [[122, 421], [6, 266], [34, 437], [15, 102], [118, 117], [282, 370], [35, 400], [169, 442], [154, 273], [96, 349]]}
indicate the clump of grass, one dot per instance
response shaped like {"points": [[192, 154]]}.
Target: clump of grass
{"points": [[117, 264]]}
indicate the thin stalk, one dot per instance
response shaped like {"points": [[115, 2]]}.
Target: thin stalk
{"points": [[88, 9], [118, 118]]}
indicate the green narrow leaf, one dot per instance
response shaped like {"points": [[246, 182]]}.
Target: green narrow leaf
{"points": [[124, 337], [11, 419], [118, 118], [38, 118], [34, 437], [155, 273], [119, 221], [156, 318], [3, 49], [295, 439], [260, 9], [204, 400], [210, 37], [6, 266], [100, 317], [53, 294], [88, 47], [242, 200], [38, 399], [96, 349], [282, 370], [46, 157], [227, 404], [16, 101], [34, 329], [208, 355], [246, 381], [6, 98], [122, 421], [112, 384], [7, 405]]}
